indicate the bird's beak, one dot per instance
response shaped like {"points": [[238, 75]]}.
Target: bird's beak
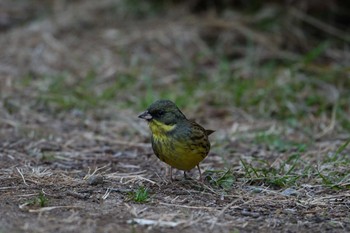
{"points": [[145, 115]]}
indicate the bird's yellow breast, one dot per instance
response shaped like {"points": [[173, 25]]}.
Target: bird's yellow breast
{"points": [[180, 153], [159, 129]]}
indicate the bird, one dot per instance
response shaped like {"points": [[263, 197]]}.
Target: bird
{"points": [[176, 140]]}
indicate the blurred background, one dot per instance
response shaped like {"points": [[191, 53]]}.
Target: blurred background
{"points": [[272, 78], [223, 61]]}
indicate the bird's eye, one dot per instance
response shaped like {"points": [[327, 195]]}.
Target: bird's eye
{"points": [[160, 113]]}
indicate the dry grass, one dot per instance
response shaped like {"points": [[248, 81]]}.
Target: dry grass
{"points": [[74, 157]]}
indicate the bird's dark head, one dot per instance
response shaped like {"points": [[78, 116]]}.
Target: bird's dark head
{"points": [[163, 111]]}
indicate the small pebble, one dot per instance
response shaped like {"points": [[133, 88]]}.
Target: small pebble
{"points": [[95, 179], [289, 211], [246, 212], [290, 192], [255, 189]]}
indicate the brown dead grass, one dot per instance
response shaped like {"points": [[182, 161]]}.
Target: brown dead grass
{"points": [[55, 153], [190, 206]]}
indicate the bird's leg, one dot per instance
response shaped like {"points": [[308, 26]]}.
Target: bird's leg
{"points": [[171, 173], [185, 175], [200, 173]]}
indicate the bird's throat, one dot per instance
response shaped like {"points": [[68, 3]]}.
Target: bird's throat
{"points": [[158, 128]]}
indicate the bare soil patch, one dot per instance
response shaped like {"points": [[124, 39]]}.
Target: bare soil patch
{"points": [[73, 154]]}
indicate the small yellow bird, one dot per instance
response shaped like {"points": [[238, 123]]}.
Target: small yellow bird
{"points": [[177, 141]]}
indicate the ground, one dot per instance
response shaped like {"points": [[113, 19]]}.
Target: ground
{"points": [[75, 157]]}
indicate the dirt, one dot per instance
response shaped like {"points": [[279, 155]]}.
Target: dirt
{"points": [[75, 205], [77, 171]]}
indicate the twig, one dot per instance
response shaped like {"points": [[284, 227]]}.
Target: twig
{"points": [[96, 170], [141, 178], [9, 122], [146, 222], [259, 38], [52, 208], [331, 126], [321, 25], [5, 188], [77, 195], [221, 213], [132, 176], [108, 191], [187, 206], [24, 181]]}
